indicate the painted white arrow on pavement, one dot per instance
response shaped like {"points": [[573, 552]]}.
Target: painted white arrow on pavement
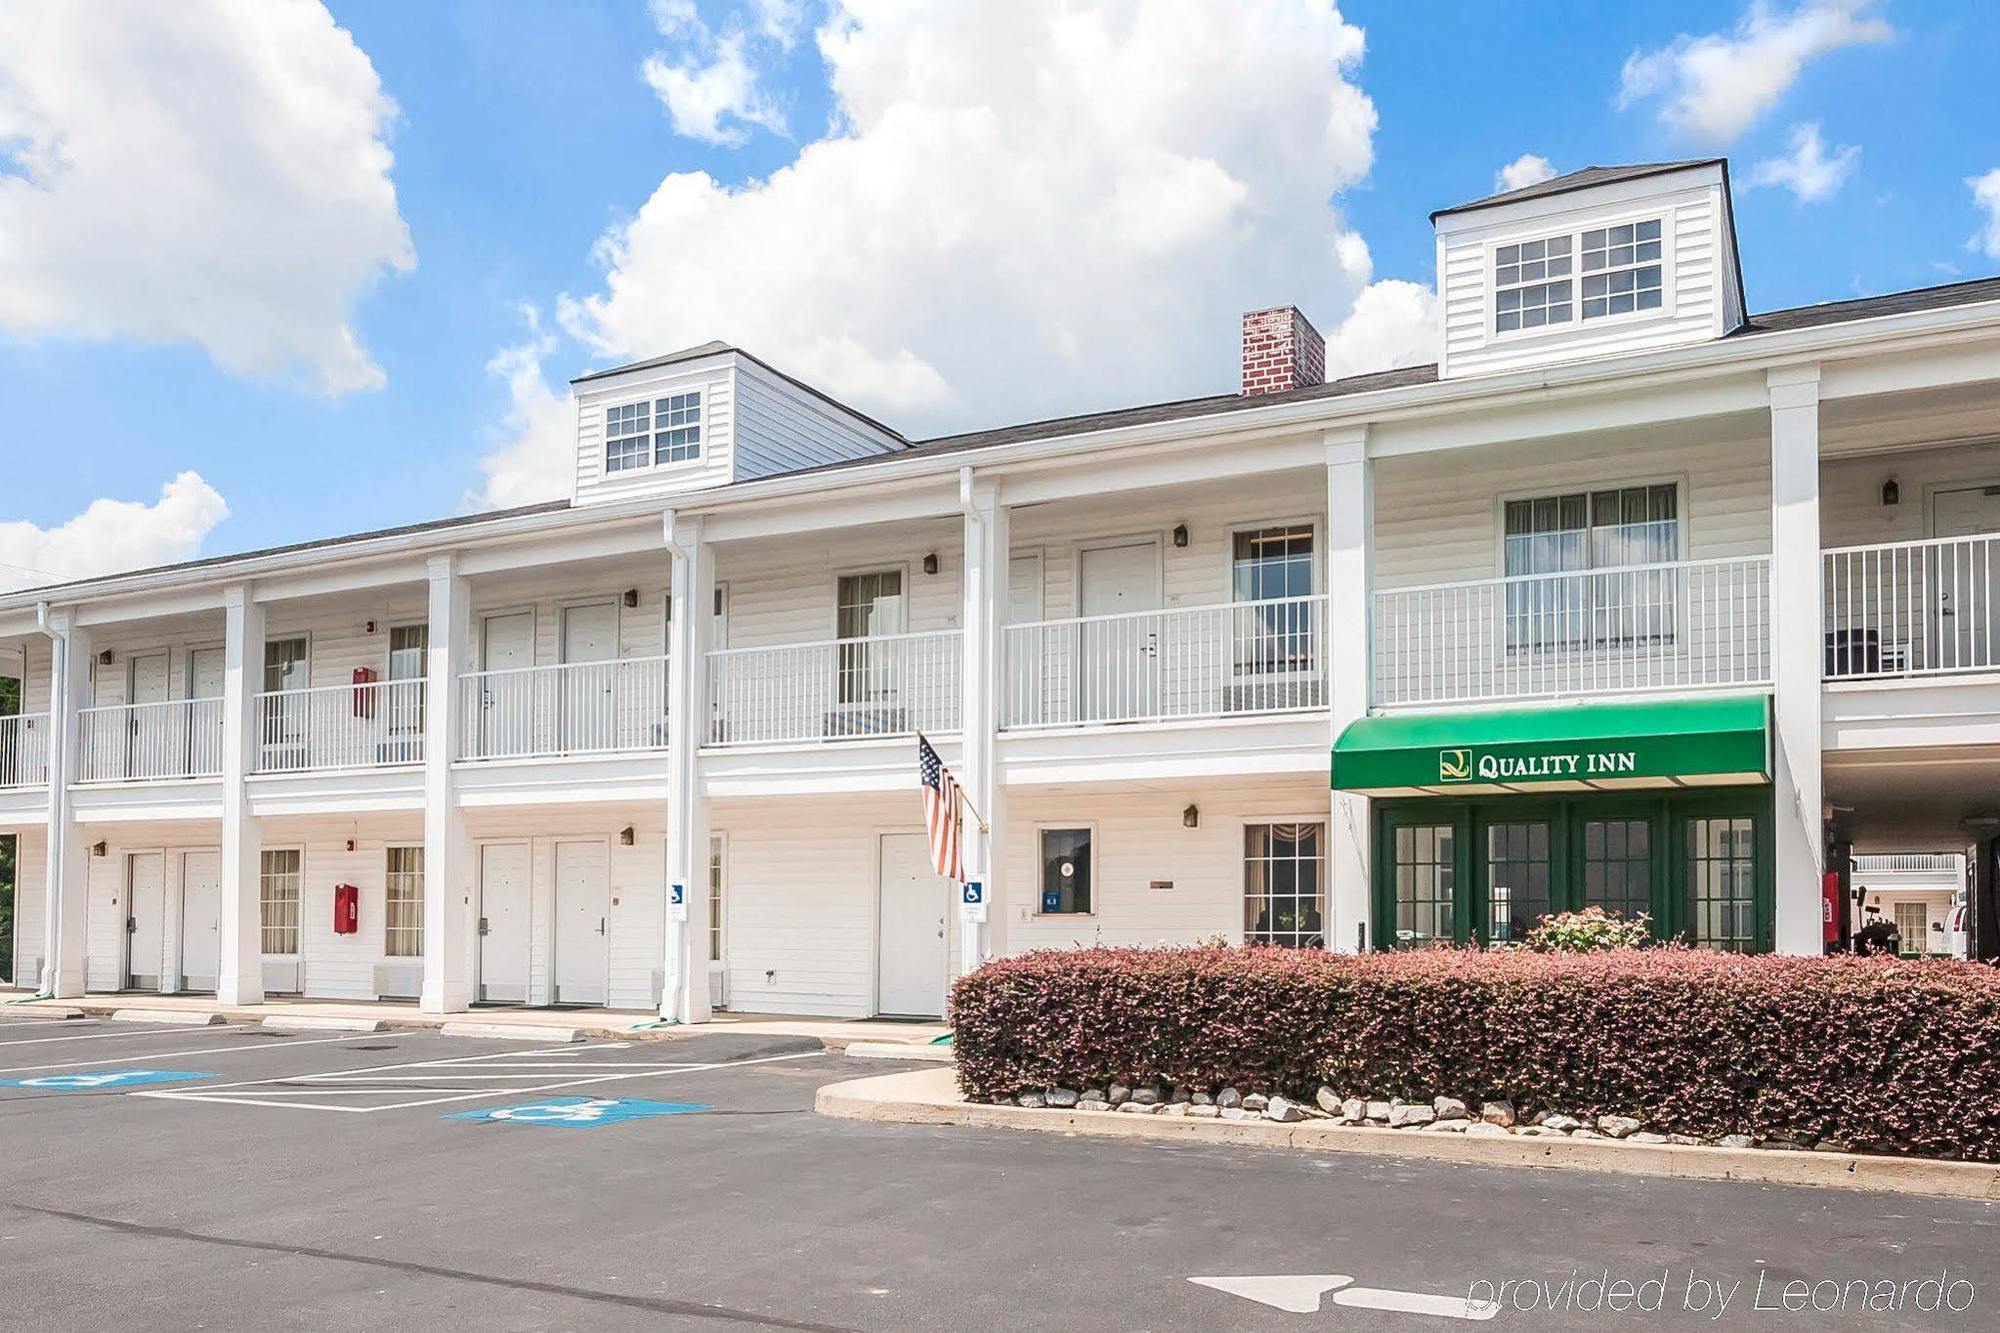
{"points": [[1300, 1293]]}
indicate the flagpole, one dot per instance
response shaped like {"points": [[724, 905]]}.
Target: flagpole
{"points": [[973, 809]]}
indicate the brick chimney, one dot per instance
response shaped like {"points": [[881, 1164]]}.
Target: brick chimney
{"points": [[1281, 350]]}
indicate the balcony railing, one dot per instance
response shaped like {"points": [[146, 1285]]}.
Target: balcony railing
{"points": [[567, 709], [374, 725], [175, 738], [837, 689], [1905, 863], [24, 750], [1151, 666], [1671, 626], [1920, 608]]}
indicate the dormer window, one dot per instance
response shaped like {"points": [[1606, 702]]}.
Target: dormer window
{"points": [[1621, 269], [1531, 284], [665, 430]]}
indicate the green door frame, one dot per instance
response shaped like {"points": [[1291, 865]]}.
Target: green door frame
{"points": [[1668, 813]]}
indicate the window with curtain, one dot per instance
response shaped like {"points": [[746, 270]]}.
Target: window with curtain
{"points": [[867, 607], [403, 903], [278, 900], [715, 900], [1284, 884], [1583, 568], [409, 647], [1271, 565]]}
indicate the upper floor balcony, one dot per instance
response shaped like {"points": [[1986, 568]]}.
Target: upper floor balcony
{"points": [[1912, 608], [836, 689], [24, 751], [563, 709], [368, 724]]}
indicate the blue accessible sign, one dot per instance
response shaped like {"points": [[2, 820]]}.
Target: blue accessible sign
{"points": [[100, 1079], [577, 1112]]}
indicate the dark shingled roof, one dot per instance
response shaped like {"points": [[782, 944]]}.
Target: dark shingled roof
{"points": [[1578, 180], [1869, 307]]}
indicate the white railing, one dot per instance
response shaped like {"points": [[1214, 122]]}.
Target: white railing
{"points": [[569, 708], [371, 725], [1912, 608], [1149, 666], [175, 738], [1905, 863], [24, 750], [1670, 626], [837, 689]]}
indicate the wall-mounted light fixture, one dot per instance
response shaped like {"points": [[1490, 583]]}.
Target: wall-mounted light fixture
{"points": [[1180, 534], [631, 597], [104, 658], [100, 849], [1191, 817], [930, 563], [625, 836], [1892, 494]]}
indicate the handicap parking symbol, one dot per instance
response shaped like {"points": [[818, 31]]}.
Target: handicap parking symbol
{"points": [[101, 1079], [577, 1112]]}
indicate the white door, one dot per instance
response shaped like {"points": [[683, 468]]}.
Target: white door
{"points": [[506, 705], [911, 910], [589, 636], [151, 737], [1022, 648], [583, 920], [204, 727], [201, 919], [1967, 635], [1118, 660], [145, 919], [503, 922]]}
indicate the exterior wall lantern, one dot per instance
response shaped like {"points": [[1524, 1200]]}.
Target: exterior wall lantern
{"points": [[1191, 817], [1892, 494], [631, 597], [625, 836], [1180, 534], [930, 563]]}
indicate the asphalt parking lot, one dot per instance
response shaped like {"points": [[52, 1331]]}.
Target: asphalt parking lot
{"points": [[232, 1178]]}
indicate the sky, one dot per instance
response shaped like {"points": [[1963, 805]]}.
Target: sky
{"points": [[285, 270]]}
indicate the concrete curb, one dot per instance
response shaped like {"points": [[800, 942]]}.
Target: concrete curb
{"points": [[513, 1032], [177, 1017], [930, 1097], [899, 1050], [40, 1010], [309, 1023]]}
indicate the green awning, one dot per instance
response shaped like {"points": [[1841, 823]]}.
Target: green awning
{"points": [[1554, 748]]}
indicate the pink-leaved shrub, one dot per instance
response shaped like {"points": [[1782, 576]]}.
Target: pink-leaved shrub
{"points": [[1879, 1053]]}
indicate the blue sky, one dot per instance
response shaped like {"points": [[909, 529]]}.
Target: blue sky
{"points": [[525, 133]]}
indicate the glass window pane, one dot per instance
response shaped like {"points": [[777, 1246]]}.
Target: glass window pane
{"points": [[1425, 887], [1517, 880], [1065, 871]]}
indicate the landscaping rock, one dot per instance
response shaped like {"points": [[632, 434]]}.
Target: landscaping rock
{"points": [[1204, 1111], [1233, 1113], [1135, 1108], [1450, 1126], [1540, 1132], [1328, 1100], [1645, 1136], [1174, 1108], [1561, 1123], [1353, 1111], [1034, 1101], [1182, 1095], [1448, 1108], [1379, 1112], [1736, 1141], [1497, 1113], [1063, 1098], [1617, 1126], [1833, 1145], [1002, 1099], [1586, 1133], [1783, 1145], [1684, 1140], [1405, 1117], [1255, 1101], [1486, 1129], [1203, 1099], [1092, 1095], [1228, 1097], [1146, 1095], [1283, 1110], [1119, 1094]]}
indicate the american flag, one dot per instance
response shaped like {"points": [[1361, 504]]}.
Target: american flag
{"points": [[941, 812]]}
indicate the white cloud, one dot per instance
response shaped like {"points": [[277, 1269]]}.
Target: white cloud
{"points": [[113, 535], [1986, 196], [714, 102], [1029, 206], [1807, 171], [1393, 323], [1715, 86], [203, 172], [537, 460], [1527, 169]]}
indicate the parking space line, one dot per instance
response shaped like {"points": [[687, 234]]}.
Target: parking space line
{"points": [[120, 1032], [276, 1089], [170, 1055]]}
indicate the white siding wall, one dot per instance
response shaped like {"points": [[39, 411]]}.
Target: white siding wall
{"points": [[1851, 508], [713, 377], [1138, 838], [782, 428], [31, 887], [1438, 516], [785, 592], [641, 628], [1697, 254]]}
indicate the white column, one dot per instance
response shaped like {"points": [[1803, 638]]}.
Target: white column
{"points": [[240, 978], [1350, 578], [1797, 652], [684, 997], [68, 863], [982, 615], [448, 935]]}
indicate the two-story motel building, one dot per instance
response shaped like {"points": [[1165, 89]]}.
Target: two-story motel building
{"points": [[1632, 598]]}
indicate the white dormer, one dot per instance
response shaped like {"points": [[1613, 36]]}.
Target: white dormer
{"points": [[1600, 262], [705, 417]]}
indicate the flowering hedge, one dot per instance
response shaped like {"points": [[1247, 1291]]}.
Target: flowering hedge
{"points": [[1878, 1053]]}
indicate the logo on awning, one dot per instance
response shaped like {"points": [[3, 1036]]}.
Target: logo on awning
{"points": [[1454, 765]]}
